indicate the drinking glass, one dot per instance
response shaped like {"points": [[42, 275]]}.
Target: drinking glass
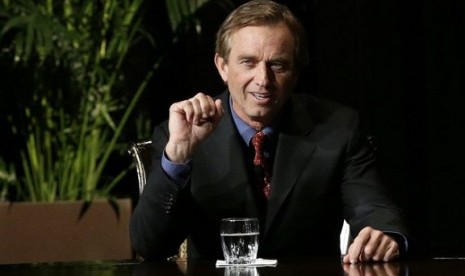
{"points": [[240, 271], [239, 240]]}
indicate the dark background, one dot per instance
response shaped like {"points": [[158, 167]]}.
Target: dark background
{"points": [[402, 64]]}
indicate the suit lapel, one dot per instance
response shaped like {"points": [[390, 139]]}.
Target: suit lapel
{"points": [[293, 151], [227, 155]]}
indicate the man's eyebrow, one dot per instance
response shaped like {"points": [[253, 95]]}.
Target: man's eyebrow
{"points": [[279, 59], [246, 57]]}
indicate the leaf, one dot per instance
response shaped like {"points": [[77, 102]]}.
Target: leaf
{"points": [[115, 206], [183, 13], [84, 208], [15, 22]]}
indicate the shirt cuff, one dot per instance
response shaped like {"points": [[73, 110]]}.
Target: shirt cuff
{"points": [[178, 173]]}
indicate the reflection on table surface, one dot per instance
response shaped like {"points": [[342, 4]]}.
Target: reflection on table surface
{"points": [[301, 267], [284, 267]]}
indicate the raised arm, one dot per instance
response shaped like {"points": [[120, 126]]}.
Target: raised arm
{"points": [[158, 223]]}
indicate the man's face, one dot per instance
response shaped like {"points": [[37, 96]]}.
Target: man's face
{"points": [[260, 72]]}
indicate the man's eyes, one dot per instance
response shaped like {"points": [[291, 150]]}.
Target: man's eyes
{"points": [[247, 62], [274, 66], [277, 66]]}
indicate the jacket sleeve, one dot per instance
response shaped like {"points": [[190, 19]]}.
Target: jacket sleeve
{"points": [[365, 198], [159, 221]]}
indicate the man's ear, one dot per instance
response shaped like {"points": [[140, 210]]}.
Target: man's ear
{"points": [[222, 66]]}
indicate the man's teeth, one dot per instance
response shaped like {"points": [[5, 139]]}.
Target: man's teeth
{"points": [[261, 96]]}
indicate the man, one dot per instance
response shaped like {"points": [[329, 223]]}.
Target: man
{"points": [[316, 168]]}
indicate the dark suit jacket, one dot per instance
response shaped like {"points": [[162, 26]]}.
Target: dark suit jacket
{"points": [[323, 171]]}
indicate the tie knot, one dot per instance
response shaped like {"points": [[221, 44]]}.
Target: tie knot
{"points": [[257, 140]]}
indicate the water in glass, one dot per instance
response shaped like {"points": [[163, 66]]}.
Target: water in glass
{"points": [[239, 240]]}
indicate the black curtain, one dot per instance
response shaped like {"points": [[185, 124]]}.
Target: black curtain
{"points": [[402, 64]]}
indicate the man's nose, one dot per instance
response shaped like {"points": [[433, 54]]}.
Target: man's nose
{"points": [[262, 77]]}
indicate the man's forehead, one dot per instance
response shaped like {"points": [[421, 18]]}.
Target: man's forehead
{"points": [[250, 40]]}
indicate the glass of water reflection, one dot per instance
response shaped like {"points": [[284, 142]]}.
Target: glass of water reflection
{"points": [[239, 240]]}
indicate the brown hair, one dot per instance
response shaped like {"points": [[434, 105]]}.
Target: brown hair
{"points": [[259, 13]]}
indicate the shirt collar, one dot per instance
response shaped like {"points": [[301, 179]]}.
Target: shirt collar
{"points": [[246, 131]]}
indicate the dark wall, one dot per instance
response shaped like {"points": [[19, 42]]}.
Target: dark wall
{"points": [[401, 63]]}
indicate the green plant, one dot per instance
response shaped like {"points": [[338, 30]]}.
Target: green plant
{"points": [[183, 13], [75, 52], [67, 147], [7, 178]]}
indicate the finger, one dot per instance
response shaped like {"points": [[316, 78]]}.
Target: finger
{"points": [[206, 104], [197, 110], [219, 109], [387, 250], [184, 109], [214, 112], [392, 253], [381, 249], [210, 108], [346, 259], [357, 246], [371, 247], [355, 249]]}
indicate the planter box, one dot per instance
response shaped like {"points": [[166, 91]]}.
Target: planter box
{"points": [[60, 232]]}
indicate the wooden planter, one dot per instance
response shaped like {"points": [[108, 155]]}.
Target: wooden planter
{"points": [[62, 232]]}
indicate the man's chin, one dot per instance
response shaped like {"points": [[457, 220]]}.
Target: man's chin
{"points": [[262, 116]]}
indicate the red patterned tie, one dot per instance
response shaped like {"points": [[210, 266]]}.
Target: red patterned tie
{"points": [[259, 160]]}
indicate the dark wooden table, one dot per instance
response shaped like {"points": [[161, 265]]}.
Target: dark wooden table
{"points": [[449, 267]]}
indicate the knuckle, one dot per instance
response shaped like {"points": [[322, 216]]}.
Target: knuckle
{"points": [[392, 243], [367, 229], [369, 250]]}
